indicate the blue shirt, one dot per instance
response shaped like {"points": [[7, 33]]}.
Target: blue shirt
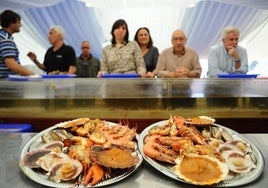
{"points": [[8, 48], [220, 62]]}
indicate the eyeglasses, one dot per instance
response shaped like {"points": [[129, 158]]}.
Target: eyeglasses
{"points": [[85, 47], [178, 38]]}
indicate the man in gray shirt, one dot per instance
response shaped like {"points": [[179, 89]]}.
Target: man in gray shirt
{"points": [[227, 57]]}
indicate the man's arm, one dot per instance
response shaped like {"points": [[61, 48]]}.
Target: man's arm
{"points": [[72, 69], [16, 67]]}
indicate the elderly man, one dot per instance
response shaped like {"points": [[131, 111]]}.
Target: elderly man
{"points": [[177, 61], [227, 56], [9, 53], [58, 58]]}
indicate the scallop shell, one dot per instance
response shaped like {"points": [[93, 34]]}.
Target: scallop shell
{"points": [[240, 163], [31, 158], [200, 121], [200, 169], [55, 146], [241, 145], [65, 170], [47, 161], [226, 149], [113, 157], [75, 122]]}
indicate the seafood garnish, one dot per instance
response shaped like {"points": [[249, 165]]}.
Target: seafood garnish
{"points": [[200, 121], [240, 163], [56, 135], [56, 146], [200, 170], [84, 151], [31, 157], [65, 170], [203, 155], [113, 157], [158, 151], [47, 161]]}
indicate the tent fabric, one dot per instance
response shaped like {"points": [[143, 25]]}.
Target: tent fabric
{"points": [[202, 21]]}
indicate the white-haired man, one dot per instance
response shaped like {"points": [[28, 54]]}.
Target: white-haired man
{"points": [[227, 56], [59, 57]]}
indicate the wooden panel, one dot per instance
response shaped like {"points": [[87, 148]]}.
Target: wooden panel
{"points": [[243, 125]]}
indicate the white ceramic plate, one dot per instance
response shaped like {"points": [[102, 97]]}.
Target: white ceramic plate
{"points": [[237, 181], [43, 179]]}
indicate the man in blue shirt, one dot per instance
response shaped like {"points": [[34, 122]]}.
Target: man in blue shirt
{"points": [[227, 56], [9, 53]]}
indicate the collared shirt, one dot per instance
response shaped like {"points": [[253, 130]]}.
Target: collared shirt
{"points": [[59, 60], [87, 68], [125, 59], [168, 61], [220, 62], [8, 48]]}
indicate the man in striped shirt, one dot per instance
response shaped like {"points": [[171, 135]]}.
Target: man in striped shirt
{"points": [[9, 53]]}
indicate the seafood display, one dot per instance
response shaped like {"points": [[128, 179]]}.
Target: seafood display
{"points": [[83, 152], [198, 151]]}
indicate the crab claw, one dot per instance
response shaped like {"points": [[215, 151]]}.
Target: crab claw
{"points": [[94, 175]]}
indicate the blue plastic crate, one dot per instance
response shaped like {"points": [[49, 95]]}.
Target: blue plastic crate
{"points": [[15, 128]]}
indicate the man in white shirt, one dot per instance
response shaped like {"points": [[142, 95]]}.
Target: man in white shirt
{"points": [[227, 56]]}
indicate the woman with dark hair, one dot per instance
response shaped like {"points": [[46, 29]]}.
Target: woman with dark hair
{"points": [[149, 52], [122, 56]]}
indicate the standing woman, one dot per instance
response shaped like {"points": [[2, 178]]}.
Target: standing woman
{"points": [[122, 56], [149, 52]]}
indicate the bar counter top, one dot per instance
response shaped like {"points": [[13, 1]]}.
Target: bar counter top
{"points": [[11, 175]]}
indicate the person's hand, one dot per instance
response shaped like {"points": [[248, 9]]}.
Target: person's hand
{"points": [[150, 75], [143, 75], [182, 72], [100, 73], [32, 56], [233, 52]]}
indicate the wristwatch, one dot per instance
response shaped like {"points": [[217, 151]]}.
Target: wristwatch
{"points": [[237, 60]]}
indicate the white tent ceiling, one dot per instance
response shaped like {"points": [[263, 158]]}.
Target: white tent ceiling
{"points": [[202, 20]]}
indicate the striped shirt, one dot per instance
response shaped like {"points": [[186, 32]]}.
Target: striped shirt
{"points": [[8, 48]]}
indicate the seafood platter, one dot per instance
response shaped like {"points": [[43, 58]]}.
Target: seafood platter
{"points": [[82, 152], [200, 152]]}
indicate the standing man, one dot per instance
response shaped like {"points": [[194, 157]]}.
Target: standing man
{"points": [[87, 65], [227, 56], [59, 58], [177, 61], [9, 53]]}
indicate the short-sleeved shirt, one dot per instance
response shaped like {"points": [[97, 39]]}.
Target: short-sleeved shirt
{"points": [[8, 48], [87, 68], [126, 59], [168, 62], [59, 60], [219, 61]]}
